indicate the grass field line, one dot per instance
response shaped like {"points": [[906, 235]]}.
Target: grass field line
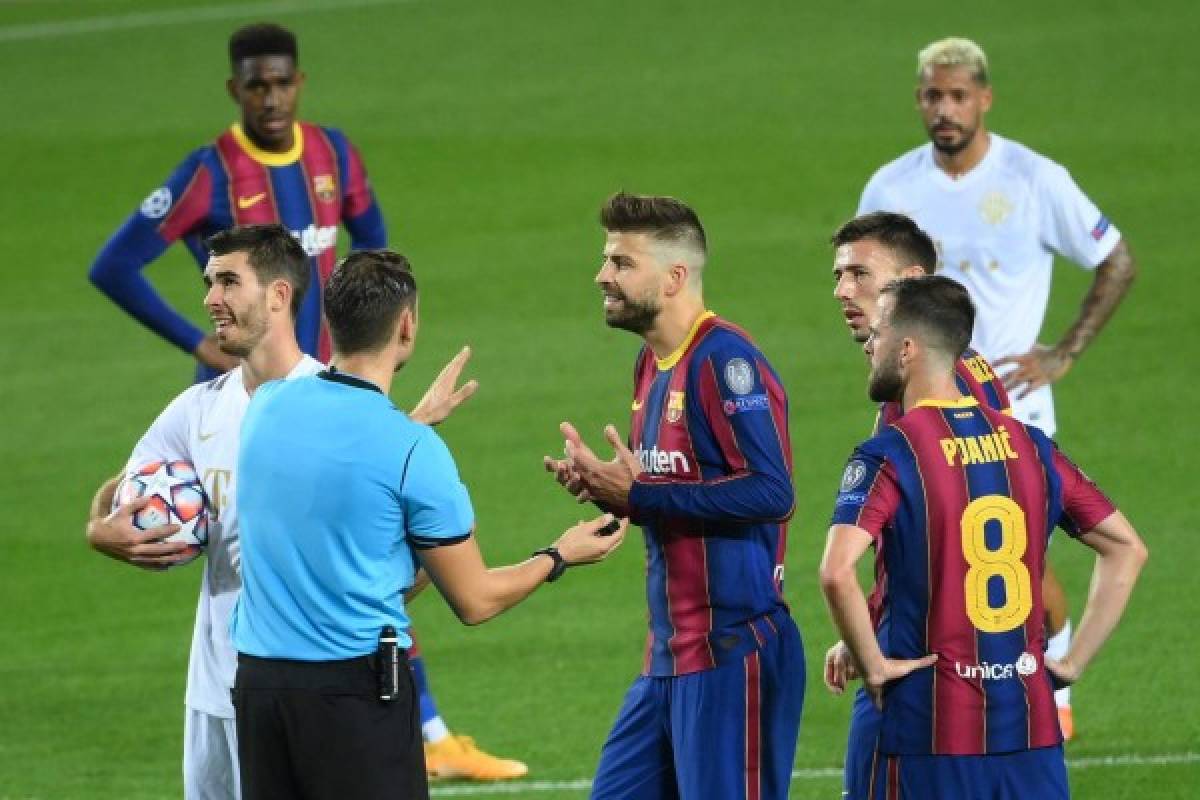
{"points": [[804, 774], [182, 16]]}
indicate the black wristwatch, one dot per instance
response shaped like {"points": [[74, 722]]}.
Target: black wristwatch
{"points": [[560, 566]]}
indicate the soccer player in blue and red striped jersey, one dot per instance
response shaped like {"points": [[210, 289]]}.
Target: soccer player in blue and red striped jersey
{"points": [[871, 250], [960, 501], [707, 475], [267, 168]]}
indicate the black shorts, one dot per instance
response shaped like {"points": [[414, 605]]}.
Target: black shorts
{"points": [[318, 730]]}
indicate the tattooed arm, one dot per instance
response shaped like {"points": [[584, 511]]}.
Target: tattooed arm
{"points": [[1044, 365]]}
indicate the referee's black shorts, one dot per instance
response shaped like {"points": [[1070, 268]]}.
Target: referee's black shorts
{"points": [[317, 730]]}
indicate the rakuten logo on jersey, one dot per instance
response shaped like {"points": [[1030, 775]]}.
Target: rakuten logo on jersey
{"points": [[1025, 665], [316, 240], [663, 462]]}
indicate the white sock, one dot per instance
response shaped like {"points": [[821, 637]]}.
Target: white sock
{"points": [[435, 730], [1056, 648]]}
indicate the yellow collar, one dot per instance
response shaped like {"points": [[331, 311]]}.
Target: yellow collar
{"points": [[962, 402], [665, 364], [266, 157]]}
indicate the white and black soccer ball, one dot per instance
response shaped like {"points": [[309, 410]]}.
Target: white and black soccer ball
{"points": [[177, 497]]}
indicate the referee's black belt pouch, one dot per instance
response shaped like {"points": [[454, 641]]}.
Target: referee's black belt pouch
{"points": [[353, 676]]}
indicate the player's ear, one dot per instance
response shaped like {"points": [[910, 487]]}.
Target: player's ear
{"points": [[677, 278], [911, 271], [985, 99], [232, 88], [279, 295], [909, 349]]}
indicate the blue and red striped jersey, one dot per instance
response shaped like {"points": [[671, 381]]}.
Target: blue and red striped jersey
{"points": [[710, 426], [975, 378], [961, 501], [311, 190]]}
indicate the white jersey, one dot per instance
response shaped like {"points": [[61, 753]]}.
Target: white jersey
{"points": [[997, 229], [203, 425]]}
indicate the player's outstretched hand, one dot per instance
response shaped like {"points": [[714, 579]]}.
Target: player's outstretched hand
{"points": [[210, 354], [566, 477], [840, 668], [1062, 673], [605, 483], [117, 537], [444, 395], [1040, 366], [893, 669], [562, 470], [589, 542]]}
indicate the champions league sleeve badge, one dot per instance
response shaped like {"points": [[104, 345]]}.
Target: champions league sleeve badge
{"points": [[157, 204], [853, 476], [739, 376]]}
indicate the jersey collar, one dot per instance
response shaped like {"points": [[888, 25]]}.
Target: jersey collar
{"points": [[265, 157], [995, 144], [962, 402], [670, 361], [332, 374]]}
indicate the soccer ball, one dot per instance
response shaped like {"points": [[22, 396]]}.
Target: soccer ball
{"points": [[176, 497]]}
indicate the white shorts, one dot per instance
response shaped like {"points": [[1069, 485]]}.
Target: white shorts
{"points": [[210, 757]]}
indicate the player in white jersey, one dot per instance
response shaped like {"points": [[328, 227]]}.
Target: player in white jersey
{"points": [[999, 212], [257, 276]]}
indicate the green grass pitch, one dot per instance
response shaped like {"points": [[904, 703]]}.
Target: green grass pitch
{"points": [[492, 132]]}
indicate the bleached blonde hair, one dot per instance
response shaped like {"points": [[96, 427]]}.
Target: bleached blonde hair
{"points": [[954, 51]]}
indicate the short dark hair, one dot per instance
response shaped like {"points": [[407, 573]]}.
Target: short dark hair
{"points": [[272, 252], [364, 297], [262, 39], [911, 245], [664, 218], [939, 306]]}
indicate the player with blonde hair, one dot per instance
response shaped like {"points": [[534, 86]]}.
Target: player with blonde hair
{"points": [[999, 213]]}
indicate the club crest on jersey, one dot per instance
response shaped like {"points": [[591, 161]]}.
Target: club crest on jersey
{"points": [[995, 208], [674, 407], [157, 204], [853, 476], [325, 188], [739, 376]]}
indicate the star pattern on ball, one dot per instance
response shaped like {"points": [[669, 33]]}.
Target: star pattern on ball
{"points": [[162, 482]]}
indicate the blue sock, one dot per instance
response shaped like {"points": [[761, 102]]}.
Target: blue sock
{"points": [[429, 710]]}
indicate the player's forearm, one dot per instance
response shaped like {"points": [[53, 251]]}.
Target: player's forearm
{"points": [[1113, 580], [123, 283], [848, 608], [1113, 278], [102, 500], [751, 497], [368, 231], [98, 537]]}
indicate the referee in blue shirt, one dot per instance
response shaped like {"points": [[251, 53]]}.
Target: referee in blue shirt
{"points": [[341, 496]]}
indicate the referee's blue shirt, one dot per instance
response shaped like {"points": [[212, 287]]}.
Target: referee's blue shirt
{"points": [[336, 488]]}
